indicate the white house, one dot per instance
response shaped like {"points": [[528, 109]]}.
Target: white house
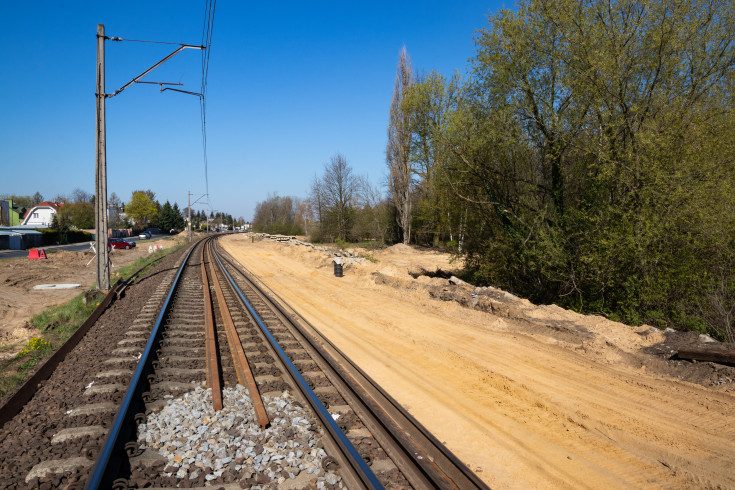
{"points": [[40, 216]]}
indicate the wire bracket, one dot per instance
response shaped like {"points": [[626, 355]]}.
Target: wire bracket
{"points": [[136, 79]]}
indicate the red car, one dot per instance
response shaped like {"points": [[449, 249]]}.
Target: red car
{"points": [[120, 243]]}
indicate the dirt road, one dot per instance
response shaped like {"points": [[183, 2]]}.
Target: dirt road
{"points": [[527, 396]]}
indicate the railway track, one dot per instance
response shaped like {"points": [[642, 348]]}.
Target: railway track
{"points": [[219, 382]]}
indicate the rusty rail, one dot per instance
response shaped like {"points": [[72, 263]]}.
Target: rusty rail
{"points": [[239, 359], [424, 460], [213, 379], [242, 367], [357, 474]]}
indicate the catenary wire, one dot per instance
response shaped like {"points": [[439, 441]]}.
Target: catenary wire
{"points": [[207, 29]]}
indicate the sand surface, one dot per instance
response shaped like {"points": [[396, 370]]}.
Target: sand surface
{"points": [[528, 396], [19, 301]]}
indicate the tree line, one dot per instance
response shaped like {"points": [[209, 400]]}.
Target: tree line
{"points": [[78, 209], [586, 160], [143, 210], [341, 206]]}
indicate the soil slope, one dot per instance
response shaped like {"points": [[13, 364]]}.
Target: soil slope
{"points": [[527, 396]]}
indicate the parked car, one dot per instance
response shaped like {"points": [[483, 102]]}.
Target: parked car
{"points": [[145, 235], [120, 243]]}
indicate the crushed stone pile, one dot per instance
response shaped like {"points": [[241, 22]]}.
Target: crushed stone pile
{"points": [[195, 439]]}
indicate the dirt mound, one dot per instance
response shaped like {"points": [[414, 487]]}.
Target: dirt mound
{"points": [[399, 248]]}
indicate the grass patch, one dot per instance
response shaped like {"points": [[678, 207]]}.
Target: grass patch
{"points": [[369, 257], [54, 326], [146, 263]]}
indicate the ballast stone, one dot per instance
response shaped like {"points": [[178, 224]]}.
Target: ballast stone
{"points": [[192, 436]]}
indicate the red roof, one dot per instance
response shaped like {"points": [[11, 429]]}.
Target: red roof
{"points": [[49, 204]]}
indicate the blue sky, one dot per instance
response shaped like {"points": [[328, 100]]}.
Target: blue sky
{"points": [[290, 84]]}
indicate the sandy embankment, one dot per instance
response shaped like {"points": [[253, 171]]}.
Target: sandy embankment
{"points": [[521, 409]]}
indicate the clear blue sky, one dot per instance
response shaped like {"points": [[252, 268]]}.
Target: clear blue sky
{"points": [[290, 84]]}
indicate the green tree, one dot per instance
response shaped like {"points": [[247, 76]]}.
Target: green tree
{"points": [[166, 220], [588, 159], [179, 222], [78, 215], [429, 102], [141, 208], [24, 202], [60, 224], [398, 148], [276, 215]]}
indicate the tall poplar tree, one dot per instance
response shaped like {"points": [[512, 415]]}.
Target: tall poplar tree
{"points": [[398, 149]]}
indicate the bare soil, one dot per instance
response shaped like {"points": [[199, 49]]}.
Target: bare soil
{"points": [[19, 302], [526, 395]]}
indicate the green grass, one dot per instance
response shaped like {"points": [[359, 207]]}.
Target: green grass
{"points": [[54, 326], [146, 263], [369, 257]]}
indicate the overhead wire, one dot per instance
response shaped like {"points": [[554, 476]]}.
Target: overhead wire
{"points": [[207, 29]]}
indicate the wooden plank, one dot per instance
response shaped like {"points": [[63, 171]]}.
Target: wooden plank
{"points": [[708, 353]]}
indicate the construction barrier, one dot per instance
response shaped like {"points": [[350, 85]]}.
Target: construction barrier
{"points": [[37, 253]]}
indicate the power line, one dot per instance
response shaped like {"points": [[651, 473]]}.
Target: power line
{"points": [[207, 28]]}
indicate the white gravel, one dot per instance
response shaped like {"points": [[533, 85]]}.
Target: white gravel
{"points": [[191, 435]]}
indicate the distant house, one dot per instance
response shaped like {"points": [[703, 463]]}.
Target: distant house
{"points": [[40, 215], [10, 215]]}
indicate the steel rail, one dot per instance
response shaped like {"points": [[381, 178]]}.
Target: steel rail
{"points": [[240, 361], [357, 467], [438, 466], [107, 463], [210, 343], [396, 446]]}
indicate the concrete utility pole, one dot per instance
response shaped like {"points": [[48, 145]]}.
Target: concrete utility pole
{"points": [[100, 212]]}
